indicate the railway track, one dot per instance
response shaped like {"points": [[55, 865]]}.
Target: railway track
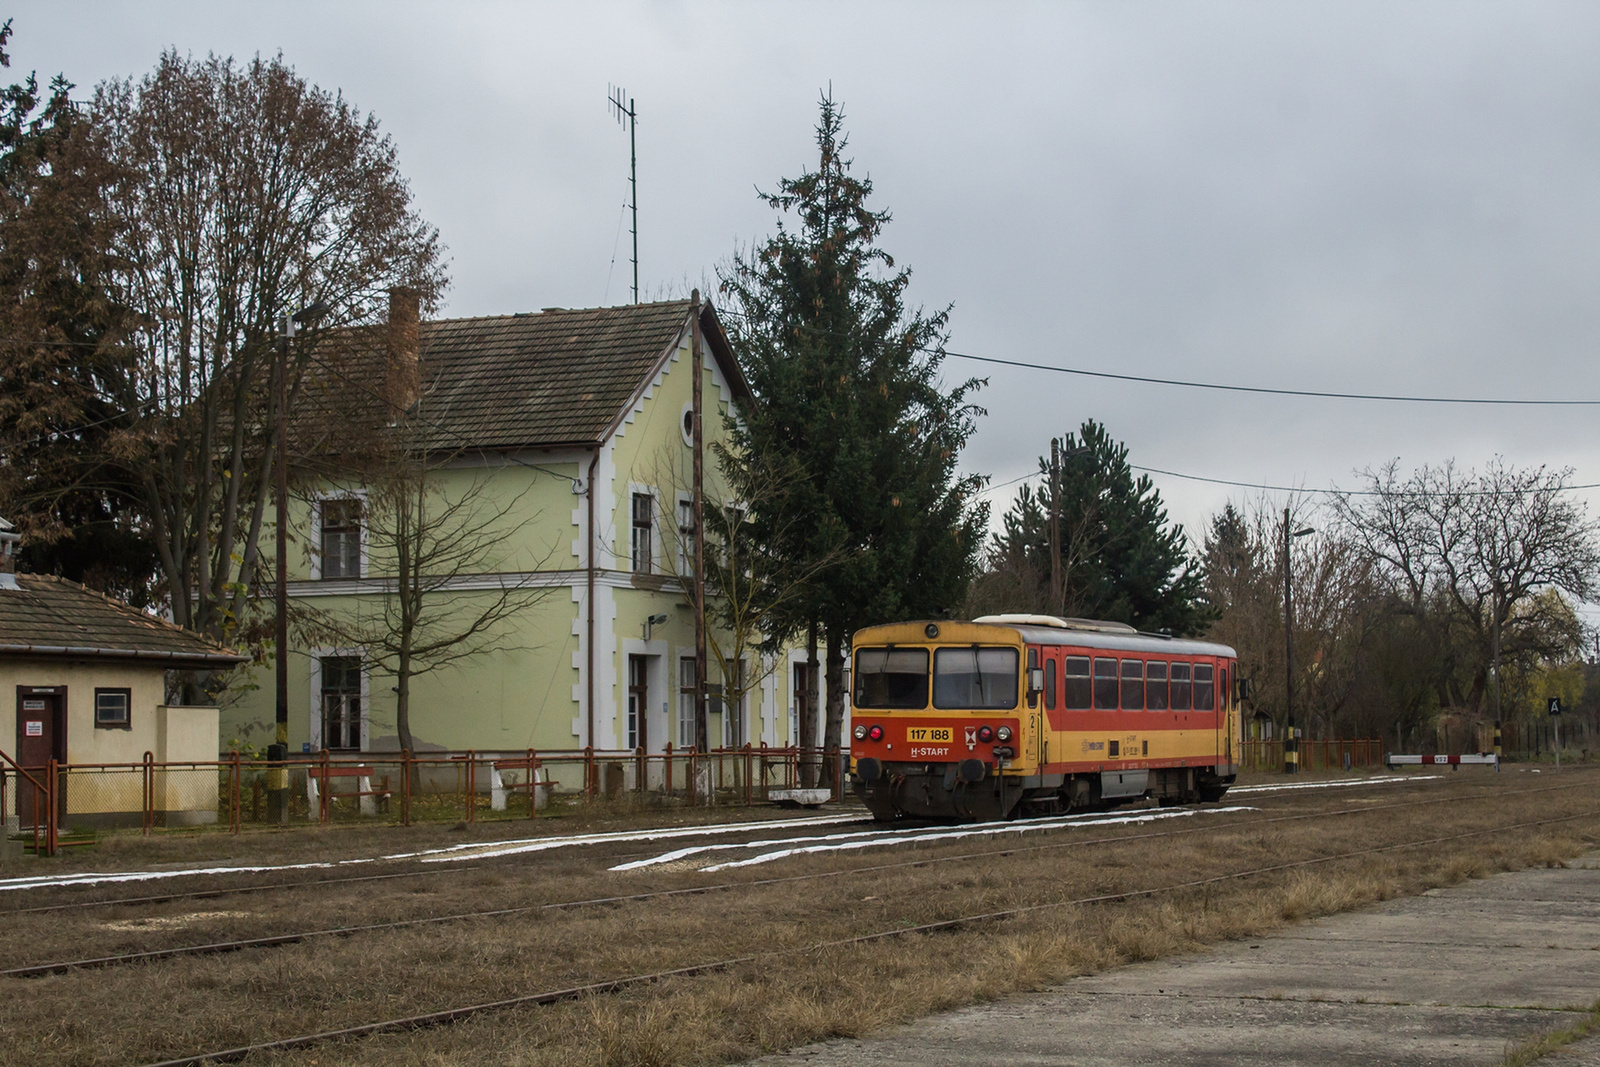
{"points": [[620, 983], [224, 891], [297, 937]]}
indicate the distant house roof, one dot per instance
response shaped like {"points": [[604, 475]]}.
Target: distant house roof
{"points": [[50, 616], [558, 378]]}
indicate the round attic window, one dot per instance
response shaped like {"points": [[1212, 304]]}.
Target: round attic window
{"points": [[688, 425]]}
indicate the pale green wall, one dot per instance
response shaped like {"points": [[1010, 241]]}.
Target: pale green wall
{"points": [[530, 694]]}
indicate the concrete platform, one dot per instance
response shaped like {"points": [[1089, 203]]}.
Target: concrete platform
{"points": [[1455, 976]]}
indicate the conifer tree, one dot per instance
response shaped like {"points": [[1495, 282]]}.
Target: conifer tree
{"points": [[1121, 559], [848, 388]]}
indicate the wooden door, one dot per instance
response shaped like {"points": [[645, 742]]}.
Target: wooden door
{"points": [[41, 737], [638, 703]]}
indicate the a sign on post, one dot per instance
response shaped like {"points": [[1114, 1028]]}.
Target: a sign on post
{"points": [[1554, 705]]}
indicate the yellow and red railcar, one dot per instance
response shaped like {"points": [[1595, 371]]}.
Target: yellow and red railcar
{"points": [[1012, 714]]}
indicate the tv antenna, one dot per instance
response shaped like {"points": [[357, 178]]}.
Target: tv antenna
{"points": [[622, 108]]}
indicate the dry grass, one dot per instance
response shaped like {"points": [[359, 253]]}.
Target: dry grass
{"points": [[798, 993]]}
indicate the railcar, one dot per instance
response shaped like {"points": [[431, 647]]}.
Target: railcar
{"points": [[1010, 715]]}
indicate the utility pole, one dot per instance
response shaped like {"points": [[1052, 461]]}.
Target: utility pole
{"points": [[629, 118], [701, 734], [1291, 747], [1494, 667], [278, 751], [278, 775], [1055, 525]]}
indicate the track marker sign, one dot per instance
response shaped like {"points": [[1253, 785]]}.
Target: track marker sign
{"points": [[1554, 705]]}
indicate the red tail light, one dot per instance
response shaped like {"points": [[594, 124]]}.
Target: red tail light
{"points": [[985, 734], [875, 733]]}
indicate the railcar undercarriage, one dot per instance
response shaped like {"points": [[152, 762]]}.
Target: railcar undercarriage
{"points": [[971, 791]]}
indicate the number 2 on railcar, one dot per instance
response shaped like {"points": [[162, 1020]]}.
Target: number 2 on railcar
{"points": [[1033, 714]]}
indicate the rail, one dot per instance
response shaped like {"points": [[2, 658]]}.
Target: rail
{"points": [[437, 786], [46, 791]]}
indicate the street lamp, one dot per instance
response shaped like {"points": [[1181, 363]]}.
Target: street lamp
{"points": [[1291, 750], [278, 752]]}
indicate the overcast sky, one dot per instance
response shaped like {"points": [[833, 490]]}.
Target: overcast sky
{"points": [[1388, 198]]}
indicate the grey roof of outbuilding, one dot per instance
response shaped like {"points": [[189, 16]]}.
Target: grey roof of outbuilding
{"points": [[50, 616], [561, 377]]}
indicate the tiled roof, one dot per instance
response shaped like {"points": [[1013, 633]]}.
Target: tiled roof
{"points": [[50, 616], [557, 378]]}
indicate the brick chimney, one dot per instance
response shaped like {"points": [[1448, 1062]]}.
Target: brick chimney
{"points": [[402, 381]]}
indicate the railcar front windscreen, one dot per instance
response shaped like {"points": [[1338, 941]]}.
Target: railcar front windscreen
{"points": [[984, 678], [891, 678]]}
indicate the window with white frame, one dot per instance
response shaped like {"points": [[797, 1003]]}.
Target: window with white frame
{"points": [[735, 707], [686, 678], [644, 509], [341, 702], [341, 538]]}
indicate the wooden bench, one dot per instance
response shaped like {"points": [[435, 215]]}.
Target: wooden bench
{"points": [[367, 798], [532, 767]]}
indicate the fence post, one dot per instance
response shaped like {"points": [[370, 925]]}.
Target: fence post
{"points": [[147, 816], [666, 776], [323, 802], [749, 784], [694, 779], [53, 833], [588, 771], [533, 788], [472, 786], [405, 787], [235, 790]]}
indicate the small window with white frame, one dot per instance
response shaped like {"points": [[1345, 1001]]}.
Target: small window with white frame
{"points": [[341, 538], [644, 512], [686, 679], [113, 709], [685, 535]]}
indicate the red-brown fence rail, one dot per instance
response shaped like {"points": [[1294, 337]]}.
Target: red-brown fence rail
{"points": [[1314, 755], [328, 787]]}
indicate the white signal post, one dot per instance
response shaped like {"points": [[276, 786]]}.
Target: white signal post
{"points": [[1554, 705]]}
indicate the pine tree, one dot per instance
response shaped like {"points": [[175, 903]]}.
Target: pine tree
{"points": [[1120, 559], [848, 388]]}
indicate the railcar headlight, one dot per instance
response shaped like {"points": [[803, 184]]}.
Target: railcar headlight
{"points": [[875, 733], [860, 731], [1004, 733], [985, 734]]}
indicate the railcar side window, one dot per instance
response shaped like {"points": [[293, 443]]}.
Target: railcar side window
{"points": [[1155, 686], [891, 678], [975, 678], [1050, 684], [1132, 685], [1105, 684], [1180, 687], [1075, 675], [1205, 689]]}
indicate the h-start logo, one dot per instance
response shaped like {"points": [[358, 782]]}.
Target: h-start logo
{"points": [[972, 738]]}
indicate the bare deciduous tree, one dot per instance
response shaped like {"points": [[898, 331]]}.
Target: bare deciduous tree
{"points": [[437, 519], [1468, 554], [243, 193]]}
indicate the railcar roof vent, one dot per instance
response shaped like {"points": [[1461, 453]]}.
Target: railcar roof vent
{"points": [[1057, 622]]}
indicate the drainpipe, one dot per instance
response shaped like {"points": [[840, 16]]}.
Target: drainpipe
{"points": [[594, 465]]}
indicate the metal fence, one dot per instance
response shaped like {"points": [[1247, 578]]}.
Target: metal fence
{"points": [[327, 787], [1314, 755]]}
